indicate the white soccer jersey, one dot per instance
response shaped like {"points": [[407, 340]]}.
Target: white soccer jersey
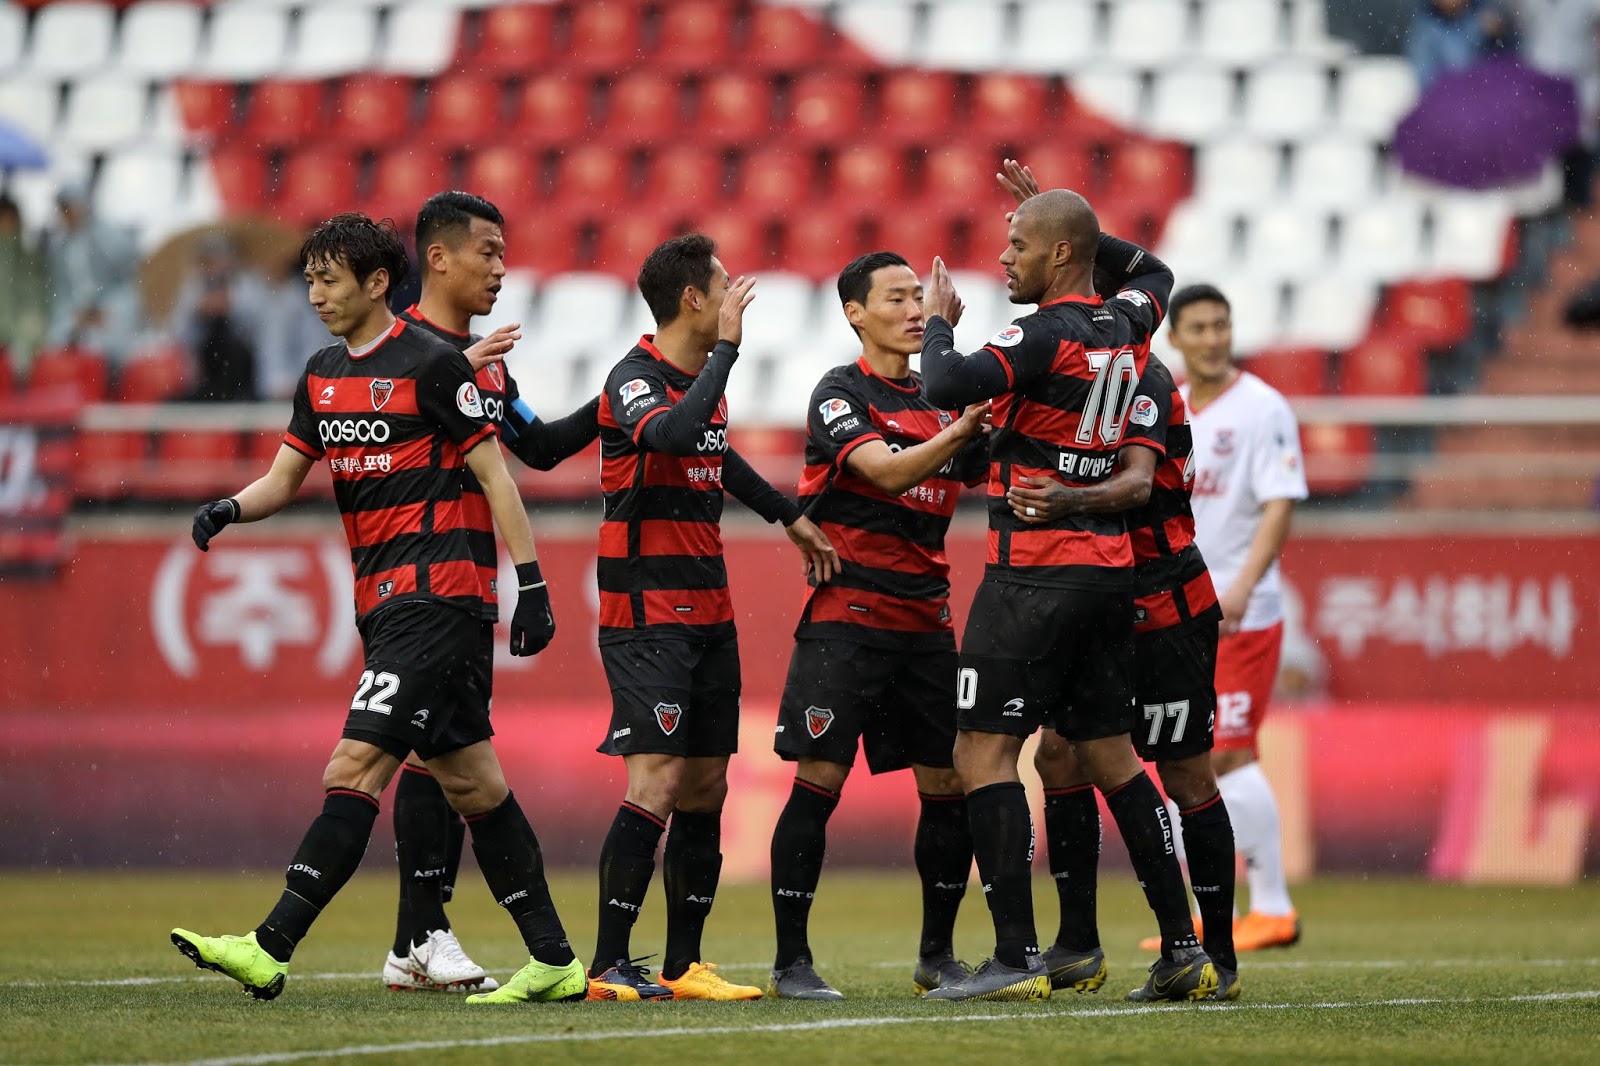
{"points": [[1246, 452]]}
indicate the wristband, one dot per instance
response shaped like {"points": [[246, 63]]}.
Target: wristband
{"points": [[238, 511], [528, 576]]}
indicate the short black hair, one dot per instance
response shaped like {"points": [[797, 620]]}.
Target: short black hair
{"points": [[363, 245], [451, 210], [855, 280], [1195, 294], [673, 266]]}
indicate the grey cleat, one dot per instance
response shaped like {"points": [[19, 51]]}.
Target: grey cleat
{"points": [[1081, 971], [1190, 975], [936, 971], [800, 981], [996, 981], [1227, 984]]}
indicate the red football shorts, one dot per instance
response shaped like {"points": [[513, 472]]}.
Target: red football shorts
{"points": [[1247, 667]]}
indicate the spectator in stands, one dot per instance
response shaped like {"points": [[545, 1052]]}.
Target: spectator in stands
{"points": [[24, 300], [1562, 37], [1449, 35], [92, 267], [290, 331], [218, 322]]}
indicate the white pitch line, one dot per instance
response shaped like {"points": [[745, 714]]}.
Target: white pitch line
{"points": [[518, 1039]]}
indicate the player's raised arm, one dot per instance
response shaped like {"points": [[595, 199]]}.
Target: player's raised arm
{"points": [[949, 378]]}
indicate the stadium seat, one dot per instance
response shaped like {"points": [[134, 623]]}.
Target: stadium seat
{"points": [[240, 175], [1383, 239], [1146, 34], [884, 28], [920, 234], [683, 174], [106, 111], [139, 186], [1197, 242], [1334, 172], [195, 462], [333, 40], [1286, 241], [1257, 309], [109, 462], [421, 39], [31, 105], [1330, 310], [742, 241], [1338, 457], [69, 38], [578, 313], [604, 35], [244, 43], [734, 107], [160, 39], [1057, 165], [207, 107], [1053, 36], [1286, 101], [960, 179], [282, 113], [1153, 174], [1236, 173], [988, 304], [869, 173], [506, 176], [515, 39], [155, 377], [818, 244], [70, 368], [1382, 366], [13, 34], [463, 110], [8, 380], [262, 446], [826, 108], [1470, 235], [592, 177], [693, 35], [788, 302], [1007, 108], [402, 178], [776, 178], [1191, 103], [544, 242], [784, 39], [643, 108], [1438, 313], [371, 111], [552, 109], [1241, 33], [1292, 371], [315, 183], [963, 36], [1113, 92], [906, 100], [1374, 93]]}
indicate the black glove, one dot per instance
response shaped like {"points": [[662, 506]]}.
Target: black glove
{"points": [[211, 517], [532, 623]]}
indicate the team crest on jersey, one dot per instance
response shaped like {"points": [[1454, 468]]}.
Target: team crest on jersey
{"points": [[467, 400], [1144, 412], [634, 388], [1224, 444], [497, 377], [818, 719], [382, 389], [1009, 337], [832, 409], [668, 715]]}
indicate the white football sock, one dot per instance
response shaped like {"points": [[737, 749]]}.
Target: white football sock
{"points": [[1254, 812]]}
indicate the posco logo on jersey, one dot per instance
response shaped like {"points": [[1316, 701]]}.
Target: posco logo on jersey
{"points": [[353, 430]]}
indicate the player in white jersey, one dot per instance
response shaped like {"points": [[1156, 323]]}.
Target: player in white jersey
{"points": [[1248, 475]]}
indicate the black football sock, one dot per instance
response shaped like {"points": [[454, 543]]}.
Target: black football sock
{"points": [[1208, 840], [509, 856], [328, 854], [1146, 829], [798, 843], [943, 852], [627, 862], [1002, 842], [421, 838], [457, 830], [1072, 832], [691, 866]]}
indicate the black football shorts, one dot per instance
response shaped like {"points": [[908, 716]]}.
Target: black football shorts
{"points": [[672, 696], [426, 682], [1174, 671], [1035, 656], [899, 704]]}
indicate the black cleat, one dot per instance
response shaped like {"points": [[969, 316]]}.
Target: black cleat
{"points": [[936, 971], [1189, 976], [1081, 971]]}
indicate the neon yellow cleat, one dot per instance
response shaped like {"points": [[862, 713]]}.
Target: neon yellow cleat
{"points": [[238, 957], [700, 981], [539, 983]]}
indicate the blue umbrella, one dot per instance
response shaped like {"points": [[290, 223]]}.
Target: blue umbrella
{"points": [[17, 150], [1493, 124]]}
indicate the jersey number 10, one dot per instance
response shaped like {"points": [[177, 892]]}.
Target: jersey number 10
{"points": [[1116, 376]]}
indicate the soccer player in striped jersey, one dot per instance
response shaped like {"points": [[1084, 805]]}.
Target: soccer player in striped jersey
{"points": [[461, 250], [397, 415], [874, 661], [1049, 638], [667, 635]]}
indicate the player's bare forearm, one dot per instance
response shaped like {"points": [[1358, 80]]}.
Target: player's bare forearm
{"points": [[505, 503], [1036, 500], [274, 490], [1271, 534], [895, 472]]}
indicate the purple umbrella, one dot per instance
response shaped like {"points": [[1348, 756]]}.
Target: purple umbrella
{"points": [[1492, 124]]}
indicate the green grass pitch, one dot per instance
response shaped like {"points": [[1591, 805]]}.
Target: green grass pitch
{"points": [[1390, 971]]}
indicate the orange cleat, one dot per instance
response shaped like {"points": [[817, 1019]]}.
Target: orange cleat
{"points": [[1256, 931]]}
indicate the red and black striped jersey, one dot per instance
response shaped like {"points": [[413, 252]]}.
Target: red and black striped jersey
{"points": [[660, 564], [1170, 581], [1071, 367], [893, 587], [395, 424]]}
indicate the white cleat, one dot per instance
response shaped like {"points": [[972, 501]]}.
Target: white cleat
{"points": [[436, 965]]}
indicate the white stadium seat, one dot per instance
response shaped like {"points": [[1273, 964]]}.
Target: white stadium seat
{"points": [[333, 40], [786, 312], [1241, 32], [104, 112], [1238, 172], [1469, 236], [159, 39], [964, 36], [73, 37], [13, 29], [1191, 103], [1053, 36], [1287, 101], [1334, 171], [245, 43], [1116, 94], [577, 312], [420, 39], [1375, 93], [1256, 309], [882, 27], [139, 187], [1286, 241], [988, 307], [1382, 240], [30, 104], [1147, 33], [1330, 311], [1198, 240]]}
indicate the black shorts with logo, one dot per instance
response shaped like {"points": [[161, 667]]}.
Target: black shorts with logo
{"points": [[1175, 670], [1034, 656], [672, 696], [899, 704], [426, 682]]}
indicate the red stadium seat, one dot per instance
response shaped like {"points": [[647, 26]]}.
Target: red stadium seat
{"points": [[402, 179], [207, 107], [604, 35], [684, 174], [515, 39], [826, 108], [742, 241], [960, 178], [372, 112], [1007, 108], [777, 179], [1338, 457], [592, 177], [7, 377], [463, 110], [734, 107], [908, 99], [71, 368], [1152, 174], [203, 445], [315, 184], [864, 174], [109, 462], [919, 236], [506, 176], [552, 110], [623, 240], [262, 447], [820, 243], [782, 39], [241, 177], [694, 35], [195, 463], [544, 241], [1383, 366], [1437, 313], [153, 378], [283, 113], [1058, 166], [644, 108], [1292, 371]]}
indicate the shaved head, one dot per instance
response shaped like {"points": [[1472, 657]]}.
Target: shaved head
{"points": [[1063, 215], [1036, 261]]}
